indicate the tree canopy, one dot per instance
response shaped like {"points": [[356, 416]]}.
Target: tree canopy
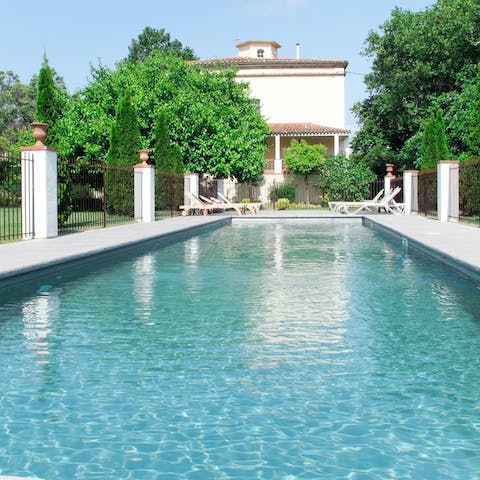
{"points": [[151, 40], [210, 116], [304, 159], [420, 61]]}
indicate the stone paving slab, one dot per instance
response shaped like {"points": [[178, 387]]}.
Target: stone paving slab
{"points": [[454, 244]]}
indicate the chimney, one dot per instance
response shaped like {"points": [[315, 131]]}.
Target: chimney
{"points": [[298, 50]]}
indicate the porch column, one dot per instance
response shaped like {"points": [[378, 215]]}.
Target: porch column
{"points": [[336, 144], [446, 208], [45, 222], [144, 182], [277, 163], [410, 192]]}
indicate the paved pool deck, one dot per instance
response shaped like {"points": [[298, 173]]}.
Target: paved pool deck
{"points": [[456, 245]]}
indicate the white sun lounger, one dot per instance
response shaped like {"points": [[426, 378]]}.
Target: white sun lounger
{"points": [[254, 207], [197, 205], [335, 206], [386, 203]]}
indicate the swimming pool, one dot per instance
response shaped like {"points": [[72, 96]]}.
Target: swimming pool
{"points": [[300, 349]]}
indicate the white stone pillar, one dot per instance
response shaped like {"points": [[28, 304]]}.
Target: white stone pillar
{"points": [[336, 144], [45, 222], [277, 163], [409, 190], [444, 208], [191, 185], [388, 178], [144, 189]]}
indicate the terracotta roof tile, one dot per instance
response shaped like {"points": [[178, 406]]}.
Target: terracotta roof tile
{"points": [[305, 129], [270, 62]]}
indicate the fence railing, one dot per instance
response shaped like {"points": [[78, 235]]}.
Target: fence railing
{"points": [[169, 193], [16, 196], [427, 193], [96, 194], [394, 183]]}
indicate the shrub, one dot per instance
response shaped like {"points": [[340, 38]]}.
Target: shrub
{"points": [[283, 190], [282, 203], [344, 178]]}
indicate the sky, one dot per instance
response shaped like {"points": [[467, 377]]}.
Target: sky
{"points": [[76, 34]]}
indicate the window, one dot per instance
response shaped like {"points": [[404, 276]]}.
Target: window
{"points": [[260, 53]]}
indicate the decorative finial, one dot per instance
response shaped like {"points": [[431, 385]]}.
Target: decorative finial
{"points": [[39, 133], [144, 156]]}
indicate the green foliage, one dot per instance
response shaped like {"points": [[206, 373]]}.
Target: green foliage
{"points": [[151, 40], [344, 178], [304, 159], [51, 99], [210, 116], [17, 109], [420, 62], [168, 157], [124, 135], [474, 130], [283, 190], [282, 203], [123, 152], [161, 137], [434, 144]]}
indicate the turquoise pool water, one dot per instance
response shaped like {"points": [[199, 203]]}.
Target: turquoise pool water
{"points": [[293, 350]]}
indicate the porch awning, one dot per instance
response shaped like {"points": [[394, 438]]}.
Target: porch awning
{"points": [[305, 129]]}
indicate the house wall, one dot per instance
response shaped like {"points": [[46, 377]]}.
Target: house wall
{"points": [[298, 95]]}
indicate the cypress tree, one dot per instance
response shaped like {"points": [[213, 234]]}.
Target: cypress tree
{"points": [[48, 106], [434, 145], [49, 110], [474, 133], [124, 135], [123, 152]]}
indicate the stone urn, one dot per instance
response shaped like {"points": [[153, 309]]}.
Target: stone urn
{"points": [[389, 167], [144, 157], [39, 133]]}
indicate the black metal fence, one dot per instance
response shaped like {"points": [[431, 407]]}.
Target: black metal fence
{"points": [[468, 191], [94, 195], [427, 193], [169, 194], [16, 190]]}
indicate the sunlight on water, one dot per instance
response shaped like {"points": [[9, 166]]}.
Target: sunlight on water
{"points": [[293, 350]]}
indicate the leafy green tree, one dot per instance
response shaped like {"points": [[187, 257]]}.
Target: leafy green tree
{"points": [[17, 109], [211, 117], [420, 61], [434, 145], [304, 159], [474, 131], [344, 178], [151, 40]]}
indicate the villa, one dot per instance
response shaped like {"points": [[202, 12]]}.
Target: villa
{"points": [[300, 98]]}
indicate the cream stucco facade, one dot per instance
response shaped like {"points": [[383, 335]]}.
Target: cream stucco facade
{"points": [[299, 98]]}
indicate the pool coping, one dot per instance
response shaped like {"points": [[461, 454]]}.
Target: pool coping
{"points": [[437, 240], [40, 257]]}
